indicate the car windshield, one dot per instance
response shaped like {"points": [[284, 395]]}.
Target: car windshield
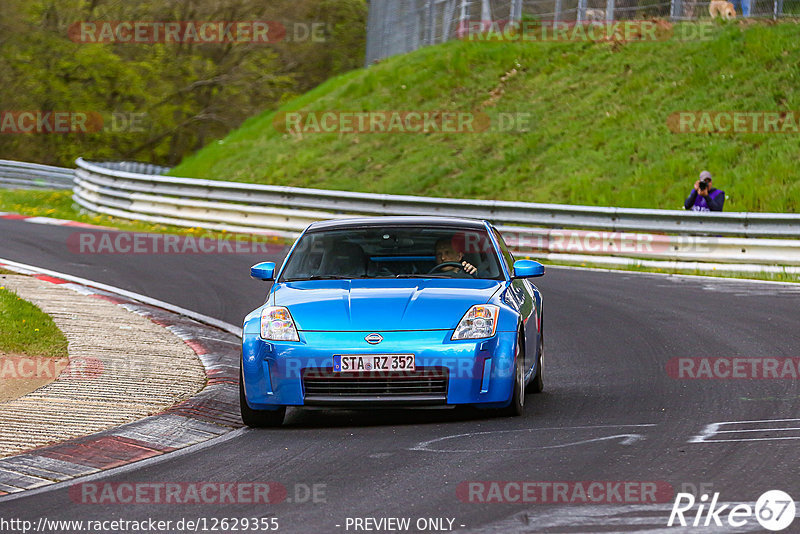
{"points": [[398, 252]]}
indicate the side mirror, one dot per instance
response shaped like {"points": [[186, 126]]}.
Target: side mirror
{"points": [[263, 271], [528, 269]]}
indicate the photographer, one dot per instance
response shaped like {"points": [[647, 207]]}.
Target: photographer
{"points": [[704, 197]]}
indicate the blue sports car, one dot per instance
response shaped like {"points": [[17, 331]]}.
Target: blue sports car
{"points": [[393, 311]]}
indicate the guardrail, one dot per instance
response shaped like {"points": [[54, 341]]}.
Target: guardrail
{"points": [[140, 191], [21, 175], [258, 206]]}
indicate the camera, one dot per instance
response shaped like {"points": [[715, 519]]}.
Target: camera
{"points": [[702, 185]]}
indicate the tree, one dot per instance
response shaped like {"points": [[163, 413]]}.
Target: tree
{"points": [[160, 101]]}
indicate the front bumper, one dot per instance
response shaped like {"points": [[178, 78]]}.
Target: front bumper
{"points": [[278, 373]]}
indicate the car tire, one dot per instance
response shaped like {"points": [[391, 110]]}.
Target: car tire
{"points": [[536, 385], [517, 406], [258, 418]]}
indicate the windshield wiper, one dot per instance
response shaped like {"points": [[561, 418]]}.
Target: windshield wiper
{"points": [[422, 276], [319, 277]]}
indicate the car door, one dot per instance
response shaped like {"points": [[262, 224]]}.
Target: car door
{"points": [[521, 297]]}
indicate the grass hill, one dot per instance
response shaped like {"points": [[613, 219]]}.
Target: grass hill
{"points": [[598, 132]]}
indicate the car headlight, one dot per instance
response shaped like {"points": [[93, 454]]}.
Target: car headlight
{"points": [[480, 321], [277, 324]]}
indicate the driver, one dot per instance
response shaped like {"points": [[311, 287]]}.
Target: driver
{"points": [[446, 253]]}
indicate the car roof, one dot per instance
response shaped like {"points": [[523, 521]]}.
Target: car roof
{"points": [[360, 222]]}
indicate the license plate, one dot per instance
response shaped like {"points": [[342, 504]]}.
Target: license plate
{"points": [[359, 363]]}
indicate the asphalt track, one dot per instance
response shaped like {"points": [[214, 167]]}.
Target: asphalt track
{"points": [[610, 412]]}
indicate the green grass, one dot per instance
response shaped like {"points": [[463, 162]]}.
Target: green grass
{"points": [[43, 203], [598, 135], [59, 205], [25, 329]]}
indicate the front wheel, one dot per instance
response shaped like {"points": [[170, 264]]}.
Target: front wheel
{"points": [[258, 418], [517, 406], [536, 385]]}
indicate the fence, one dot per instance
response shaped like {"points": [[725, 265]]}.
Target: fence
{"points": [[399, 26], [593, 231], [19, 175]]}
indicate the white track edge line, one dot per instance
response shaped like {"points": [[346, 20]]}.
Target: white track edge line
{"points": [[704, 278]]}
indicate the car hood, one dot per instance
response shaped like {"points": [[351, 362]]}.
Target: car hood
{"points": [[381, 305]]}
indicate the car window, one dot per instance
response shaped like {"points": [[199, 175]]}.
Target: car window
{"points": [[508, 258], [397, 252]]}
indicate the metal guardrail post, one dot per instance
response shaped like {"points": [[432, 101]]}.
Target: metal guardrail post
{"points": [[676, 9], [581, 14], [610, 10]]}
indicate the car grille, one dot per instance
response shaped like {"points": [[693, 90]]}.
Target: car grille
{"points": [[425, 385]]}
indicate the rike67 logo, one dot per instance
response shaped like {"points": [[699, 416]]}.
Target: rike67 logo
{"points": [[774, 511]]}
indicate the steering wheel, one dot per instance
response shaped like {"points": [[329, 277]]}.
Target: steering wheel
{"points": [[446, 264]]}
